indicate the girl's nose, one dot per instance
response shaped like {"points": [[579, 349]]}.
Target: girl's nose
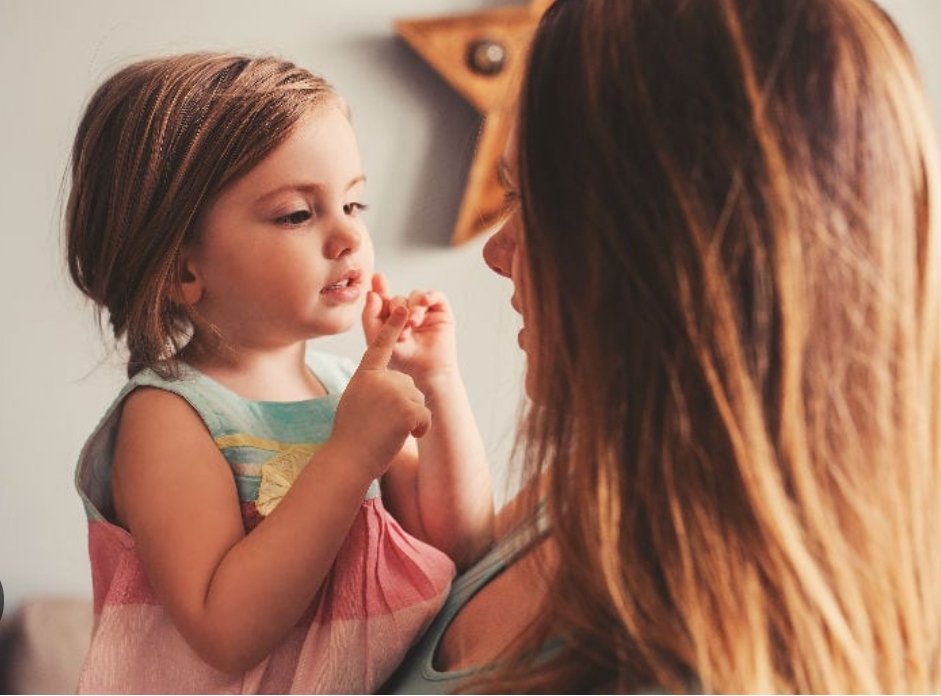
{"points": [[345, 238]]}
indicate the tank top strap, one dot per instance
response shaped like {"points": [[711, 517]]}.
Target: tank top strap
{"points": [[417, 673], [504, 553], [332, 371], [200, 393]]}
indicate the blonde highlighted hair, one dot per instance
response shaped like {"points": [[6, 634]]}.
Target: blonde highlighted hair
{"points": [[732, 230]]}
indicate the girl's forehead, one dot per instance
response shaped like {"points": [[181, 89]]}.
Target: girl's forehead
{"points": [[320, 151]]}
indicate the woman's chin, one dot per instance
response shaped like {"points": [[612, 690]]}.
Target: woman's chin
{"points": [[529, 384], [528, 373]]}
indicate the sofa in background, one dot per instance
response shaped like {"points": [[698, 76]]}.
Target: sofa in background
{"points": [[43, 645]]}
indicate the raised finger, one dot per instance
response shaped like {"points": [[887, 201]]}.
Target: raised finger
{"points": [[434, 299], [379, 352], [380, 284], [372, 315], [417, 298]]}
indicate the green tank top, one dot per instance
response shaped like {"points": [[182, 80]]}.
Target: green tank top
{"points": [[417, 674]]}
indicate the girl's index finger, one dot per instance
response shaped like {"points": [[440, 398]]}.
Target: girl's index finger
{"points": [[379, 352], [380, 284]]}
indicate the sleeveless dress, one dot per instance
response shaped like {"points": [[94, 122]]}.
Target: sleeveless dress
{"points": [[384, 588]]}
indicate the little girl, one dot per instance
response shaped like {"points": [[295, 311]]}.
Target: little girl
{"points": [[238, 530]]}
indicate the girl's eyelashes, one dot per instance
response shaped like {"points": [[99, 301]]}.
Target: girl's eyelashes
{"points": [[354, 208], [298, 217]]}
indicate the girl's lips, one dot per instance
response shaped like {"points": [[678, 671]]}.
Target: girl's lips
{"points": [[346, 288], [341, 294]]}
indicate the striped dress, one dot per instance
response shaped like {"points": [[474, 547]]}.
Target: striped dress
{"points": [[383, 590]]}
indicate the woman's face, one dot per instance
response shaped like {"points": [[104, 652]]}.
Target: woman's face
{"points": [[503, 252]]}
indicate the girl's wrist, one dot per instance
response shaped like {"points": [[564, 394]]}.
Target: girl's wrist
{"points": [[347, 463], [437, 382]]}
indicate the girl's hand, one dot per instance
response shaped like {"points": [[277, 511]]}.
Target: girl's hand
{"points": [[426, 347], [380, 407]]}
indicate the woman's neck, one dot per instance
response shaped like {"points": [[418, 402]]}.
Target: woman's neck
{"points": [[260, 375]]}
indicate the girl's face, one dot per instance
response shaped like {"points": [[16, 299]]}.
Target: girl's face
{"points": [[283, 253], [503, 252]]}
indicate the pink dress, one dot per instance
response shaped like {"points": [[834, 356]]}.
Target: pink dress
{"points": [[383, 590]]}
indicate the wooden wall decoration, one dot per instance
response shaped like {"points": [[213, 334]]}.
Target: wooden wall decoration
{"points": [[481, 56]]}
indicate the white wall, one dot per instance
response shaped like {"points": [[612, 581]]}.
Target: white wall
{"points": [[56, 372]]}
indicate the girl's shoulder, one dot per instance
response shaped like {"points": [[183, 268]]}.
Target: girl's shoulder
{"points": [[187, 388], [147, 409]]}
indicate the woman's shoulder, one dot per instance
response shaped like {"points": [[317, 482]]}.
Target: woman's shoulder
{"points": [[490, 604], [526, 506]]}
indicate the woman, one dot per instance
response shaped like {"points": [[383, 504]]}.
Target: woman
{"points": [[725, 252]]}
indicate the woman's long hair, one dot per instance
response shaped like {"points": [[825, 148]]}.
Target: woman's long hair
{"points": [[731, 227], [158, 140]]}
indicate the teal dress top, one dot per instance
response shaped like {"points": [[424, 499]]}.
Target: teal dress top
{"points": [[384, 587]]}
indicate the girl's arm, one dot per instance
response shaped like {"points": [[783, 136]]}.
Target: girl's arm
{"points": [[441, 494], [441, 491], [234, 596]]}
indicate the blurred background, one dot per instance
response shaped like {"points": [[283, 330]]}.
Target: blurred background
{"points": [[58, 372]]}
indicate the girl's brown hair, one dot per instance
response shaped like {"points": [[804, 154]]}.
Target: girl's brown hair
{"points": [[157, 141], [731, 229]]}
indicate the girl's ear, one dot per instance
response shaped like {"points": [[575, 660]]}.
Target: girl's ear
{"points": [[191, 285]]}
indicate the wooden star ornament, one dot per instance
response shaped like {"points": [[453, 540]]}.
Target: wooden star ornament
{"points": [[481, 55]]}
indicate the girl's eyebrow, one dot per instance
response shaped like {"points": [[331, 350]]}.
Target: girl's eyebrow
{"points": [[307, 187]]}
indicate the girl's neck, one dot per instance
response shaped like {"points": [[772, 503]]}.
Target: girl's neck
{"points": [[260, 375]]}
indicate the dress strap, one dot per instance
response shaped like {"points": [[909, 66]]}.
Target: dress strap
{"points": [[333, 372]]}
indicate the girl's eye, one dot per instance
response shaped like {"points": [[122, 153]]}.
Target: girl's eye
{"points": [[298, 217], [354, 208]]}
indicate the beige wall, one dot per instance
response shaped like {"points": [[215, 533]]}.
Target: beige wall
{"points": [[56, 373]]}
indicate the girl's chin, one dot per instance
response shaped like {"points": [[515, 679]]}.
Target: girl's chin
{"points": [[336, 327]]}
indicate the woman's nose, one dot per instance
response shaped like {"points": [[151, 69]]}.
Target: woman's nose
{"points": [[497, 252]]}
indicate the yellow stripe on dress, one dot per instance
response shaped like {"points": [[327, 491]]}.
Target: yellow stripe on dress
{"points": [[244, 440], [278, 472]]}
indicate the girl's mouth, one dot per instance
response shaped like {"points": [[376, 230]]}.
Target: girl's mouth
{"points": [[347, 288], [345, 283]]}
